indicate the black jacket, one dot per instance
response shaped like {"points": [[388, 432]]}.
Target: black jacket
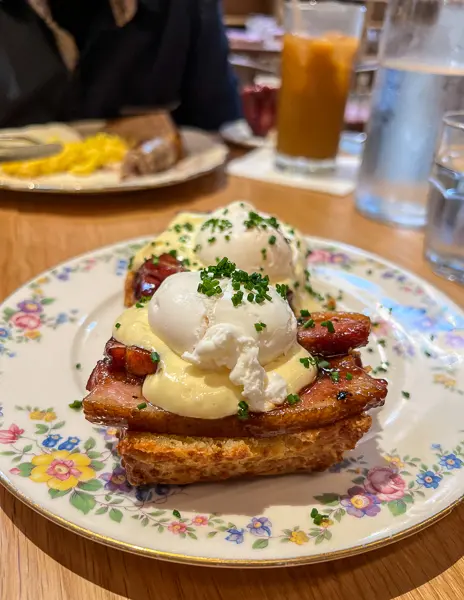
{"points": [[172, 52]]}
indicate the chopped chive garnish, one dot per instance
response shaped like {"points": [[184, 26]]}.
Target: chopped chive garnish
{"points": [[139, 305], [323, 364], [329, 325], [142, 405], [272, 240], [293, 398], [382, 343], [227, 238], [307, 362], [118, 325], [130, 264], [197, 248], [282, 289], [76, 405], [335, 376], [256, 220], [305, 313], [217, 224], [173, 253], [155, 259], [310, 323], [406, 395], [211, 240], [243, 410], [78, 366], [155, 357], [260, 326], [264, 253], [348, 376]]}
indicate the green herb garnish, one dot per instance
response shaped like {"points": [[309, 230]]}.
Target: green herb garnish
{"points": [[348, 376], [272, 240], [78, 366], [142, 405], [76, 405], [260, 326], [329, 325], [282, 289], [220, 225], [155, 357], [323, 364], [406, 395], [335, 376], [117, 325], [310, 323], [130, 264], [293, 398], [243, 410], [305, 313], [173, 253], [211, 240], [256, 220]]}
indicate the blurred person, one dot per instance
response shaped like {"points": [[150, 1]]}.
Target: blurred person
{"points": [[63, 60]]}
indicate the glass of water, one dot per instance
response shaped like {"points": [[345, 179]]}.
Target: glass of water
{"points": [[444, 236]]}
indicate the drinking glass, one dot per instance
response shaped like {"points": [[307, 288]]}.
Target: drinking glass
{"points": [[444, 236], [319, 49]]}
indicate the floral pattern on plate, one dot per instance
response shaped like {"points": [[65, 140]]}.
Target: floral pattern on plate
{"points": [[392, 482]]}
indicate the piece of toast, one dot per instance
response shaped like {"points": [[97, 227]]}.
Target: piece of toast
{"points": [[151, 458]]}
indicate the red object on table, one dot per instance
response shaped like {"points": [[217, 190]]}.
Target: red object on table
{"points": [[260, 108]]}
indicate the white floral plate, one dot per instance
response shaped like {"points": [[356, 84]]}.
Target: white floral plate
{"points": [[405, 474], [202, 155]]}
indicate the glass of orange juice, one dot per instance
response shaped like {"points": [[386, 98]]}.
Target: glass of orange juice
{"points": [[319, 49]]}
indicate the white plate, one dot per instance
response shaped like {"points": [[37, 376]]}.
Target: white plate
{"points": [[203, 154], [405, 474], [240, 134]]}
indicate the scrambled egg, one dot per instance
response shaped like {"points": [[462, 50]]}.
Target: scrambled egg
{"points": [[76, 158]]}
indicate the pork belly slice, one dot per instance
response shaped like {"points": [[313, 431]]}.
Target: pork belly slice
{"points": [[144, 282], [330, 398], [340, 333]]}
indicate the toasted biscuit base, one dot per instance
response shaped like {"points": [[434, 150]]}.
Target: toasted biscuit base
{"points": [[152, 458]]}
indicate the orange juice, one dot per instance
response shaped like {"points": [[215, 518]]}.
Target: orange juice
{"points": [[316, 78]]}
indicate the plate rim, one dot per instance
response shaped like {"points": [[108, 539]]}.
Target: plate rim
{"points": [[231, 562], [44, 189]]}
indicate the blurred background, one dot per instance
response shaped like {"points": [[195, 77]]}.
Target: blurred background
{"points": [[255, 30]]}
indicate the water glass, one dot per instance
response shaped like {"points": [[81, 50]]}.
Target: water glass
{"points": [[444, 237]]}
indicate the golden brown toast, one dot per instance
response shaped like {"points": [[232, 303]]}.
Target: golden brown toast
{"points": [[150, 458]]}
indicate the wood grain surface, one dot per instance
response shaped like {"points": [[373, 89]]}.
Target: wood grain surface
{"points": [[40, 560]]}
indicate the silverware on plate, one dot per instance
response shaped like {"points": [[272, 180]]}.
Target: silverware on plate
{"points": [[23, 147]]}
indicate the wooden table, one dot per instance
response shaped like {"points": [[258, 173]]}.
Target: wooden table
{"points": [[40, 560]]}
